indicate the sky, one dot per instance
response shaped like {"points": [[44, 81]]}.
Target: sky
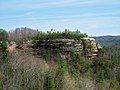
{"points": [[94, 17]]}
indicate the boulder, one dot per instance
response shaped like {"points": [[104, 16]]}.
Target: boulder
{"points": [[11, 47]]}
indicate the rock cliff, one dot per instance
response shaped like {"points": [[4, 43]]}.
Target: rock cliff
{"points": [[86, 46]]}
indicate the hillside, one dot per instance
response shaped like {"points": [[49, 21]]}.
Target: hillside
{"points": [[108, 40], [32, 71], [21, 33], [58, 61]]}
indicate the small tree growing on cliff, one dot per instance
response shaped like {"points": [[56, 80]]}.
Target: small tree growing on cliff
{"points": [[3, 35]]}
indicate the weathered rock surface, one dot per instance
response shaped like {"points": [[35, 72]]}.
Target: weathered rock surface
{"points": [[91, 47], [11, 47], [86, 46]]}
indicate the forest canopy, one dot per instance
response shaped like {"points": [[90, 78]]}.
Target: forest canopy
{"points": [[51, 35]]}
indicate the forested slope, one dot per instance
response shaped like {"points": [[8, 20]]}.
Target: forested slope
{"points": [[25, 69], [108, 40]]}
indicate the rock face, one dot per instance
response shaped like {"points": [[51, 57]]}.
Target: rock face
{"points": [[86, 46], [11, 47], [91, 48]]}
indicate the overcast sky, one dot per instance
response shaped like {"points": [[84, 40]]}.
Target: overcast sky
{"points": [[94, 17]]}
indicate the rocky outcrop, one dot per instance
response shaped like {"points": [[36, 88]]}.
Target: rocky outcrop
{"points": [[11, 47], [91, 47], [86, 46]]}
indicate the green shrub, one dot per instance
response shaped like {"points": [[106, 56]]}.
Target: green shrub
{"points": [[49, 83], [19, 42], [50, 35], [3, 35]]}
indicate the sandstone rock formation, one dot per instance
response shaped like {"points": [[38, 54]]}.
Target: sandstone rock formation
{"points": [[86, 46], [91, 47], [11, 47]]}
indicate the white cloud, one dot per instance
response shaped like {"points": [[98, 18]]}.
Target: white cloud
{"points": [[31, 4], [14, 17], [35, 4]]}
